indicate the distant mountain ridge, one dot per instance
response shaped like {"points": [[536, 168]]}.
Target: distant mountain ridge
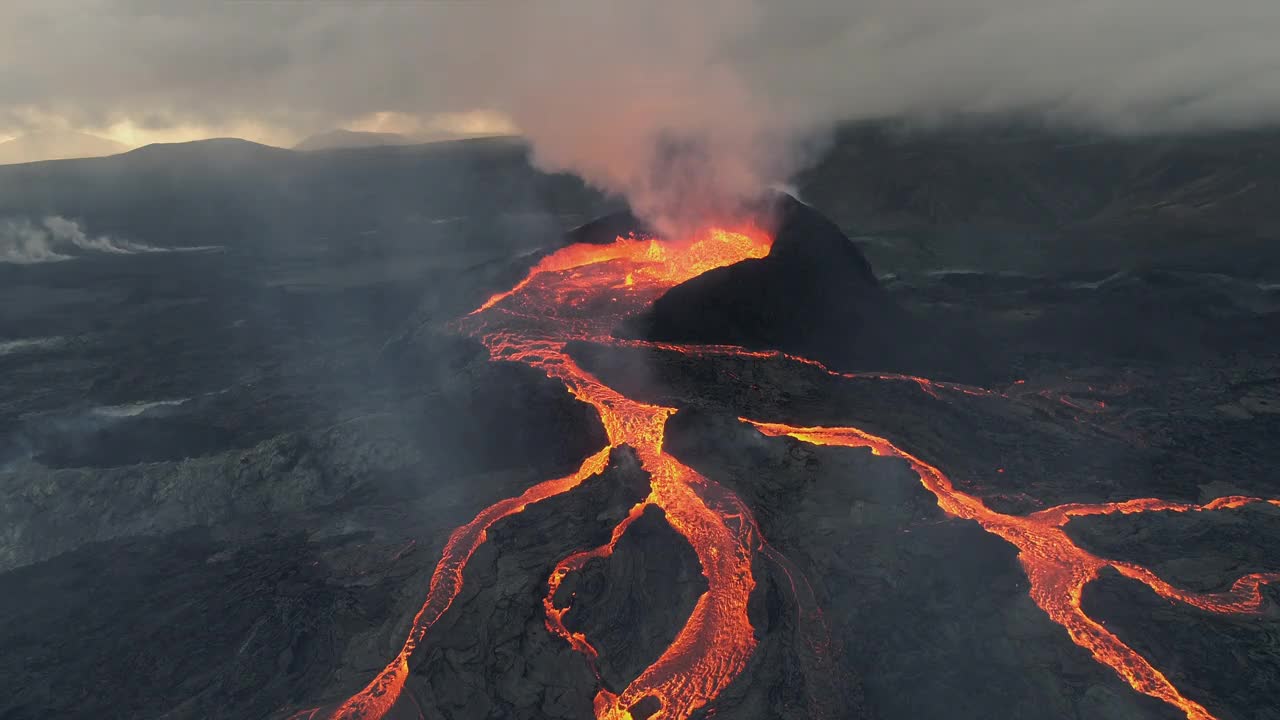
{"points": [[258, 198], [1047, 200], [881, 178], [345, 139], [1023, 199], [56, 145]]}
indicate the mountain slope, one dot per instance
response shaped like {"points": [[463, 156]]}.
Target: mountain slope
{"points": [[997, 198], [1037, 199], [244, 195]]}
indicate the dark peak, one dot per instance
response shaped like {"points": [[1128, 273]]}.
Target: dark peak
{"points": [[224, 155], [808, 242], [814, 295], [604, 229], [212, 145]]}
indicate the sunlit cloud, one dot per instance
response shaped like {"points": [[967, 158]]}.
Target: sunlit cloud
{"points": [[133, 133], [600, 88], [474, 123]]}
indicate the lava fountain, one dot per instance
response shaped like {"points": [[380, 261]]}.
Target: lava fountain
{"points": [[580, 293]]}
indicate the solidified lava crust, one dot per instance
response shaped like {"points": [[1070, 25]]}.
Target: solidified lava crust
{"points": [[581, 293]]}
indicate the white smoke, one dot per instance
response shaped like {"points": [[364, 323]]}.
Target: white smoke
{"points": [[55, 239], [62, 229], [131, 410], [26, 345], [23, 243]]}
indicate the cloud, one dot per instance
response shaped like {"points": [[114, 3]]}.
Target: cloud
{"points": [[660, 101]]}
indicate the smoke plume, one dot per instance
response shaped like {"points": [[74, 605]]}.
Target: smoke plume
{"points": [[648, 103], [685, 108]]}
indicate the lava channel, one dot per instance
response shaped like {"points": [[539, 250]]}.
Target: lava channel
{"points": [[579, 294], [1059, 569]]}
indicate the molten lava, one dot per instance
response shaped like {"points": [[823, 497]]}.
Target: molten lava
{"points": [[1059, 569], [580, 293]]}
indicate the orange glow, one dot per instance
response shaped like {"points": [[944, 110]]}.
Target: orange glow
{"points": [[577, 273], [1059, 569], [581, 293], [380, 694], [575, 294], [573, 563]]}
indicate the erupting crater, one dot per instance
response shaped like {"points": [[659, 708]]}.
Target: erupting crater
{"points": [[582, 293]]}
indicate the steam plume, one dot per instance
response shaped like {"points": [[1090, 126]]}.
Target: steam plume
{"points": [[55, 239], [647, 102], [23, 243]]}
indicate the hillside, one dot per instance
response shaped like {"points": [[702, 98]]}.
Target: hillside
{"points": [[1019, 192], [1002, 198], [244, 195]]}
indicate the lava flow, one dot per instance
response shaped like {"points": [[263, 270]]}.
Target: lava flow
{"points": [[579, 294], [1058, 568]]}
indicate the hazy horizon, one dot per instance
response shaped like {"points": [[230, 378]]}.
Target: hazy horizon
{"points": [[680, 107]]}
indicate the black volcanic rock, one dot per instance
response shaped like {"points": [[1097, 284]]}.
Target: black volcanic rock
{"points": [[174, 627], [814, 294], [491, 655], [1222, 661], [607, 228], [632, 604]]}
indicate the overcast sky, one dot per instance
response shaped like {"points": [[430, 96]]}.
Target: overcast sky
{"points": [[280, 69], [596, 85]]}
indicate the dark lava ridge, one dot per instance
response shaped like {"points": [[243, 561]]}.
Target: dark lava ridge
{"points": [[814, 295]]}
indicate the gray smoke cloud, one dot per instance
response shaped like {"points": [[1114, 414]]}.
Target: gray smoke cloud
{"points": [[680, 106]]}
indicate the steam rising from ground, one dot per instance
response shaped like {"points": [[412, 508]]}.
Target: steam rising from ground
{"points": [[131, 410], [24, 345], [23, 243], [55, 238]]}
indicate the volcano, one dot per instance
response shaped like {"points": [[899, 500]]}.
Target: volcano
{"points": [[814, 294], [738, 293], [406, 455]]}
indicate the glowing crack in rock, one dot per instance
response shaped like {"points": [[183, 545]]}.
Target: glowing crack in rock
{"points": [[579, 294]]}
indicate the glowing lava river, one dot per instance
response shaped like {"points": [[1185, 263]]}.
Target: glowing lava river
{"points": [[580, 294]]}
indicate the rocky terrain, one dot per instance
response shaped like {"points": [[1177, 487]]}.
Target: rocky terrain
{"points": [[226, 477]]}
